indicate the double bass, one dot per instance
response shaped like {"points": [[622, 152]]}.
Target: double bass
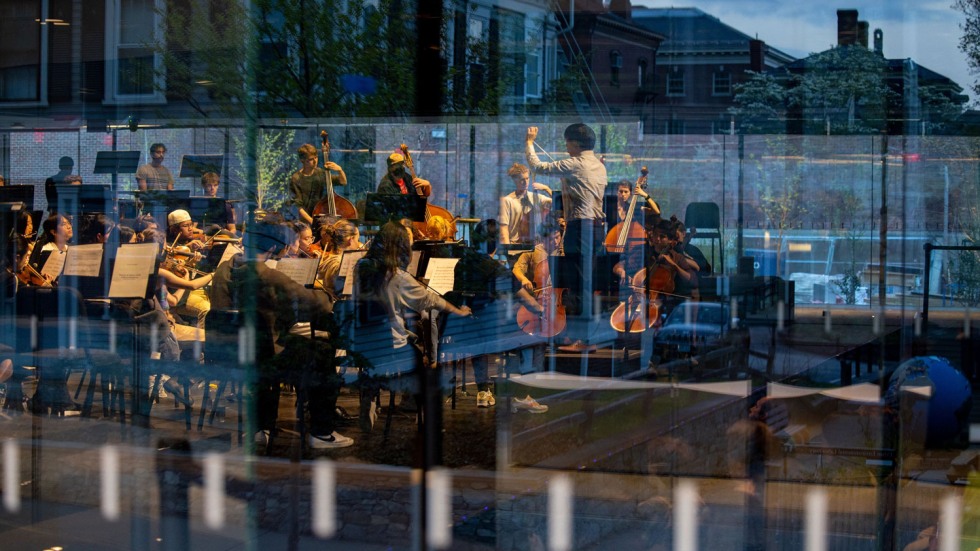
{"points": [[552, 321], [430, 210], [333, 205], [629, 231]]}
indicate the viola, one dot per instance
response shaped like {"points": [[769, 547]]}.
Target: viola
{"points": [[628, 232], [332, 204], [430, 210], [552, 321], [29, 276]]}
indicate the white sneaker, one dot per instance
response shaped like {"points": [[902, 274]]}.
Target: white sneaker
{"points": [[332, 440], [485, 399], [261, 438], [528, 404]]}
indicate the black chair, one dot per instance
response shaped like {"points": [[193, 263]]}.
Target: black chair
{"points": [[221, 363], [706, 219]]}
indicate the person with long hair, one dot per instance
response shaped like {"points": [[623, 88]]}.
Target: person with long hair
{"points": [[336, 238], [381, 277]]}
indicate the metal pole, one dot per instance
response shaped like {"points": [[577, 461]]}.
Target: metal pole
{"points": [[741, 195]]}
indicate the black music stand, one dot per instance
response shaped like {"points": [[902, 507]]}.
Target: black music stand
{"points": [[195, 166], [208, 210], [435, 249], [85, 198], [116, 162], [18, 194], [380, 208], [161, 202]]}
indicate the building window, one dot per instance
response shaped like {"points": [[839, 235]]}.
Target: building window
{"points": [[134, 71], [615, 64], [675, 81], [533, 59], [641, 73], [721, 83], [22, 47]]}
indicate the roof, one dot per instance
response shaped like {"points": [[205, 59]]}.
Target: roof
{"points": [[690, 30]]}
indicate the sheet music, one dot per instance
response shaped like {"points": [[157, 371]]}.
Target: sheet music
{"points": [[413, 265], [54, 264], [300, 270], [441, 274], [134, 265], [230, 251], [84, 260], [347, 263]]}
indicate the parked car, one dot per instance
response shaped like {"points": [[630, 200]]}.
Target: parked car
{"points": [[696, 328]]}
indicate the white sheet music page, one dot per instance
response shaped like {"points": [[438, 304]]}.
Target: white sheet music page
{"points": [[131, 273], [300, 270], [84, 260], [441, 274], [347, 263], [54, 264]]}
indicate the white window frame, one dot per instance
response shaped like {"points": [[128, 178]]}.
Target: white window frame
{"points": [[112, 94], [672, 72], [533, 33], [715, 76], [42, 95]]}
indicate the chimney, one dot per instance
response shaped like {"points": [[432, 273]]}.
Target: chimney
{"points": [[863, 33], [622, 8], [879, 42], [847, 23], [757, 55]]}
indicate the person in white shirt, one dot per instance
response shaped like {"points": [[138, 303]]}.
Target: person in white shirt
{"points": [[523, 209]]}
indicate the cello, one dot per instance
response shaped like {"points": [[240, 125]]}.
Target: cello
{"points": [[628, 231], [333, 205], [552, 321], [430, 209], [641, 309]]}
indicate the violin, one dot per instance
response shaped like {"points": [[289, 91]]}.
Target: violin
{"points": [[29, 276], [552, 321], [332, 204], [430, 210], [628, 232]]}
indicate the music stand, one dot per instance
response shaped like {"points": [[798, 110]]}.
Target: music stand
{"points": [[195, 166], [18, 194], [207, 210], [79, 199], [380, 208], [161, 202], [116, 162], [435, 249]]}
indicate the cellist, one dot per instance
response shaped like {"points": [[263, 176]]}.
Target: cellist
{"points": [[308, 185]]}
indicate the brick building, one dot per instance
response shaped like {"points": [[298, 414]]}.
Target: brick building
{"points": [[697, 67]]}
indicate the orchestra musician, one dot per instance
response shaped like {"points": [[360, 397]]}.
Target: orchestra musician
{"points": [[58, 232], [300, 246], [210, 182], [183, 231], [381, 277], [336, 238], [522, 208], [308, 185], [398, 180], [154, 175], [279, 303]]}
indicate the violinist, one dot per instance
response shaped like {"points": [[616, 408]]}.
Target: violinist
{"points": [[398, 180], [183, 232], [523, 208], [186, 296], [308, 185], [301, 244], [95, 228], [335, 239], [210, 182], [58, 232]]}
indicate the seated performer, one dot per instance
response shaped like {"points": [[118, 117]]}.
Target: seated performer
{"points": [[334, 240], [279, 303], [398, 180], [210, 182]]}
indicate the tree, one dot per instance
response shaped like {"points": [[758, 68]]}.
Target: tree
{"points": [[759, 101], [272, 156], [970, 41], [313, 58]]}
